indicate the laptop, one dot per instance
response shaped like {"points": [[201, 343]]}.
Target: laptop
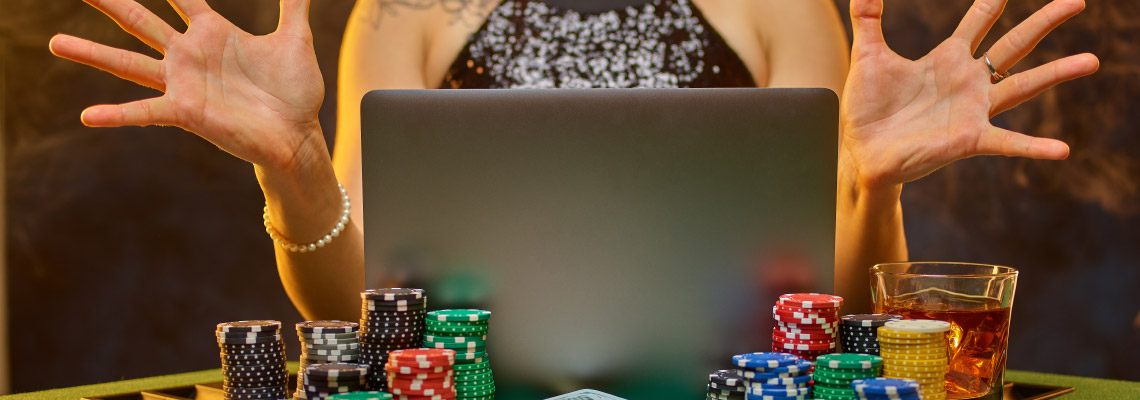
{"points": [[625, 240]]}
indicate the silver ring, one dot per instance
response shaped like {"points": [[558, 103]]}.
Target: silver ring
{"points": [[995, 76]]}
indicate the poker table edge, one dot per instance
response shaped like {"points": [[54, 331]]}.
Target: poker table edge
{"points": [[129, 386], [1086, 388]]}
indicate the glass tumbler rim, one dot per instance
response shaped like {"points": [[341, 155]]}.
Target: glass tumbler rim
{"points": [[1004, 270]]}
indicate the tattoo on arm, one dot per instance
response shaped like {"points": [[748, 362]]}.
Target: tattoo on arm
{"points": [[458, 11]]}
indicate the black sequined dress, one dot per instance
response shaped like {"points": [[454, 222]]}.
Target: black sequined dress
{"points": [[536, 44]]}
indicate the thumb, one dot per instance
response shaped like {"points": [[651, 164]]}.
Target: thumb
{"points": [[294, 17], [867, 25]]}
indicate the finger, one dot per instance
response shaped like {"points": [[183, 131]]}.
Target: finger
{"points": [[156, 111], [138, 21], [128, 65], [1000, 142], [978, 20], [294, 17], [188, 9], [867, 24], [1024, 86], [1024, 37]]}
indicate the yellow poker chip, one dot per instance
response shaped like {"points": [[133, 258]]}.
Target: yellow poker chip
{"points": [[931, 351], [886, 345], [921, 378], [900, 334], [938, 339], [941, 362], [914, 357], [918, 371], [914, 327]]}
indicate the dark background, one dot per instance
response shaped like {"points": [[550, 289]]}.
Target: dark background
{"points": [[126, 246]]}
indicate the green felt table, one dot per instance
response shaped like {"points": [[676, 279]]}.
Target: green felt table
{"points": [[1086, 388]]}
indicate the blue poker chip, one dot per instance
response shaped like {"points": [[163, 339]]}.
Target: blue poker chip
{"points": [[780, 380], [780, 392], [764, 360], [884, 386], [767, 397], [800, 367]]}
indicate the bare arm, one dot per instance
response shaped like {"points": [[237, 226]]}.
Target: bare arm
{"points": [[257, 97], [807, 47]]}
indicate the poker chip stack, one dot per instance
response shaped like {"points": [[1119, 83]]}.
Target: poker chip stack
{"points": [[886, 389], [774, 376], [422, 374], [807, 324], [253, 360], [390, 319], [465, 332], [917, 350], [726, 384], [324, 342], [319, 381], [834, 373], [859, 333]]}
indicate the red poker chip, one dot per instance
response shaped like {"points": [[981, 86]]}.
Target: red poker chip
{"points": [[397, 369], [801, 321], [420, 376], [777, 338], [830, 327], [413, 386], [809, 312], [445, 396], [810, 300], [445, 356], [804, 347], [804, 335], [825, 317]]}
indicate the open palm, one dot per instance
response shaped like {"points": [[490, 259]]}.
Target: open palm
{"points": [[904, 119], [256, 97]]}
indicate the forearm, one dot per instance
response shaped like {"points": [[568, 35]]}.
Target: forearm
{"points": [[868, 231], [304, 205]]}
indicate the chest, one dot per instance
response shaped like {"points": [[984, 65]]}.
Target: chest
{"points": [[628, 31]]}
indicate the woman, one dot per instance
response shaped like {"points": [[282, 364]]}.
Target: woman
{"points": [[257, 97]]}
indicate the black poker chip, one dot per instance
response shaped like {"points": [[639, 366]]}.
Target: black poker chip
{"points": [[393, 294], [249, 326], [331, 326]]}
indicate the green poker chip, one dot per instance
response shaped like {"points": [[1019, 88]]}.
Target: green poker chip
{"points": [[834, 396], [841, 376], [471, 367], [487, 397], [848, 361], [461, 315], [458, 347], [455, 339], [361, 396], [831, 381], [827, 390], [476, 390], [478, 383], [478, 376]]}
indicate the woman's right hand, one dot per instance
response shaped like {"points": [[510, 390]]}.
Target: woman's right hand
{"points": [[256, 97]]}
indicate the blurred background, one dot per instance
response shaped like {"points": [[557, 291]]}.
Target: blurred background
{"points": [[123, 248]]}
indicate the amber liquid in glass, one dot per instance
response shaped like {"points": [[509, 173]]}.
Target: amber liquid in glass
{"points": [[979, 334]]}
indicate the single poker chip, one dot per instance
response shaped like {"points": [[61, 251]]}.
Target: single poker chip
{"points": [[764, 360], [315, 335], [336, 370], [848, 361], [343, 346], [783, 339], [246, 335], [327, 326], [929, 351], [794, 380], [778, 391], [485, 376], [914, 326], [828, 327], [885, 386], [869, 320], [810, 300], [473, 366], [803, 335], [319, 352], [455, 339], [813, 313], [801, 321], [249, 340], [249, 326], [351, 358], [941, 361], [332, 342], [443, 356], [844, 375], [727, 378], [458, 347], [462, 330], [800, 367], [808, 347], [362, 395], [459, 315], [393, 294]]}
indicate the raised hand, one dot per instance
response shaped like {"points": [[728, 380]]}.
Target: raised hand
{"points": [[903, 119], [256, 97]]}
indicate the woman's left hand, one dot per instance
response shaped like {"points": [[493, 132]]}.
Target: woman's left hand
{"points": [[903, 119]]}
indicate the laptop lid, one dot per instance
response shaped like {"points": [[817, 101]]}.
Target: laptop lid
{"points": [[623, 239]]}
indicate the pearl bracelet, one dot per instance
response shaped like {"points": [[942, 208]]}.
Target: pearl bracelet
{"points": [[305, 248]]}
